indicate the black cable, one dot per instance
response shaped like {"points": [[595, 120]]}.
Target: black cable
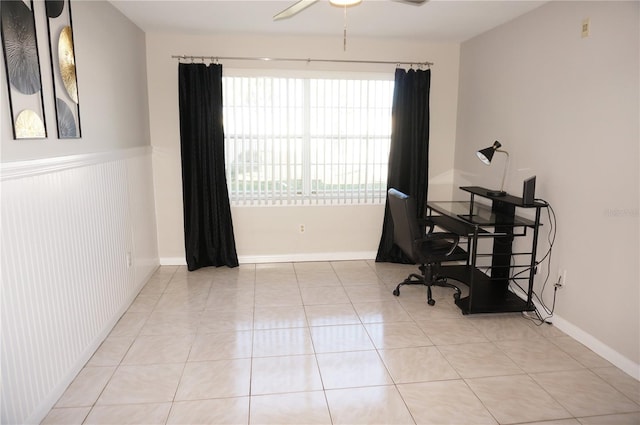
{"points": [[551, 237], [552, 231]]}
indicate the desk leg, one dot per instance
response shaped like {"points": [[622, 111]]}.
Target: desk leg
{"points": [[501, 258], [473, 256], [533, 269]]}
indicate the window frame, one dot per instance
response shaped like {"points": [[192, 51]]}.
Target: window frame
{"points": [[309, 195]]}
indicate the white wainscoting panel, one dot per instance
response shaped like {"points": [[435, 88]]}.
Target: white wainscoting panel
{"points": [[78, 243]]}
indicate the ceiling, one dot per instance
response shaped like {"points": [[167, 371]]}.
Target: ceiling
{"points": [[436, 20]]}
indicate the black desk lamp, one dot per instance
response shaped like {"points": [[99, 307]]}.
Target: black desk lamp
{"points": [[485, 155]]}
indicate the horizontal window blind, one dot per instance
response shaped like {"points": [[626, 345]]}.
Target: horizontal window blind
{"points": [[306, 141]]}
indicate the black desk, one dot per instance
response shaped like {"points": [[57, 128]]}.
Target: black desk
{"points": [[489, 293]]}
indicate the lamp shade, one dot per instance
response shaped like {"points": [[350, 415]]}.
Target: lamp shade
{"points": [[486, 155]]}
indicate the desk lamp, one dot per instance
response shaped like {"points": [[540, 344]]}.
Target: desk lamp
{"points": [[485, 155]]}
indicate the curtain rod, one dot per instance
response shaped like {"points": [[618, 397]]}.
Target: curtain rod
{"points": [[217, 58]]}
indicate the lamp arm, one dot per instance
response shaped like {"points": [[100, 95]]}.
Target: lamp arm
{"points": [[506, 166]]}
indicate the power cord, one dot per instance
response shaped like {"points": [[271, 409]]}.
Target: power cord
{"points": [[551, 237]]}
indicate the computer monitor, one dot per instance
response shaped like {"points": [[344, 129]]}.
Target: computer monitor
{"points": [[529, 190]]}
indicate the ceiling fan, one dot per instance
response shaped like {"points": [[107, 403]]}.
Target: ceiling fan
{"points": [[301, 5]]}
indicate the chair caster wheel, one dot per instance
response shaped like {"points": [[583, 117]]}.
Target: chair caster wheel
{"points": [[396, 292], [431, 302]]}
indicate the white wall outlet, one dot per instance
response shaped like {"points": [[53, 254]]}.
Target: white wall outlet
{"points": [[586, 26], [562, 279], [302, 228]]}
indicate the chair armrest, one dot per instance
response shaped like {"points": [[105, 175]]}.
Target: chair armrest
{"points": [[429, 224], [430, 237]]}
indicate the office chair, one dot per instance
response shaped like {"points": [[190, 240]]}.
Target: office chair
{"points": [[426, 249]]}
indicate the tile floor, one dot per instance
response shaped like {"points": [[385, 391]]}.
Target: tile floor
{"points": [[327, 343]]}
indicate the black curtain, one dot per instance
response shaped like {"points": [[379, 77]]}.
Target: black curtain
{"points": [[409, 152], [208, 229]]}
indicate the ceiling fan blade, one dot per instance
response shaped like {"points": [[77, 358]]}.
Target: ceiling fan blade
{"points": [[416, 2], [294, 9]]}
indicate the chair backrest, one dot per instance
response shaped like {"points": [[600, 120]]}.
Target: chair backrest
{"points": [[405, 221]]}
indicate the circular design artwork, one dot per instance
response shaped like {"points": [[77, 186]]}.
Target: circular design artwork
{"points": [[54, 7], [67, 63], [66, 120], [20, 47], [29, 125]]}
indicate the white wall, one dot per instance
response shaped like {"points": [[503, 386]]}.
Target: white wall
{"points": [[72, 213], [566, 109], [272, 234]]}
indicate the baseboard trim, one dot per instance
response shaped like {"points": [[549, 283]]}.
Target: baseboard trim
{"points": [[307, 257], [600, 348], [594, 344], [286, 258]]}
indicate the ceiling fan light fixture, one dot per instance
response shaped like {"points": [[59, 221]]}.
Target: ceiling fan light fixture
{"points": [[344, 3]]}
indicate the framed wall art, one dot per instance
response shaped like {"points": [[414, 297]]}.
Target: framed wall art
{"points": [[22, 66], [63, 68]]}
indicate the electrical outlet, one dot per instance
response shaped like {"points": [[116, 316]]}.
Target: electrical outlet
{"points": [[586, 26], [302, 228], [562, 279]]}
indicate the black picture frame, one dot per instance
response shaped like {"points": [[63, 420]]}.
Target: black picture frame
{"points": [[22, 69], [63, 68]]}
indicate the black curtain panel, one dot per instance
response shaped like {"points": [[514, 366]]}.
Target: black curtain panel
{"points": [[409, 152], [208, 228]]}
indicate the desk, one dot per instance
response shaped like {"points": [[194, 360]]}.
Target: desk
{"points": [[489, 293]]}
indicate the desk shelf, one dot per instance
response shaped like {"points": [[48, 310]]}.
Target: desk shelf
{"points": [[486, 296]]}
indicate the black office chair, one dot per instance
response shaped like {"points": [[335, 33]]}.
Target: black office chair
{"points": [[428, 249]]}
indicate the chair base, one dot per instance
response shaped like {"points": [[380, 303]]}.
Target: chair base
{"points": [[435, 280]]}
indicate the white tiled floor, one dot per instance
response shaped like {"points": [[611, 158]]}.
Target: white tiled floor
{"points": [[328, 343]]}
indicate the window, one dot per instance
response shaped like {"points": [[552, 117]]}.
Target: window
{"points": [[306, 141]]}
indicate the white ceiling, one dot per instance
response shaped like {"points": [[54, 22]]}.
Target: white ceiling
{"points": [[436, 20]]}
